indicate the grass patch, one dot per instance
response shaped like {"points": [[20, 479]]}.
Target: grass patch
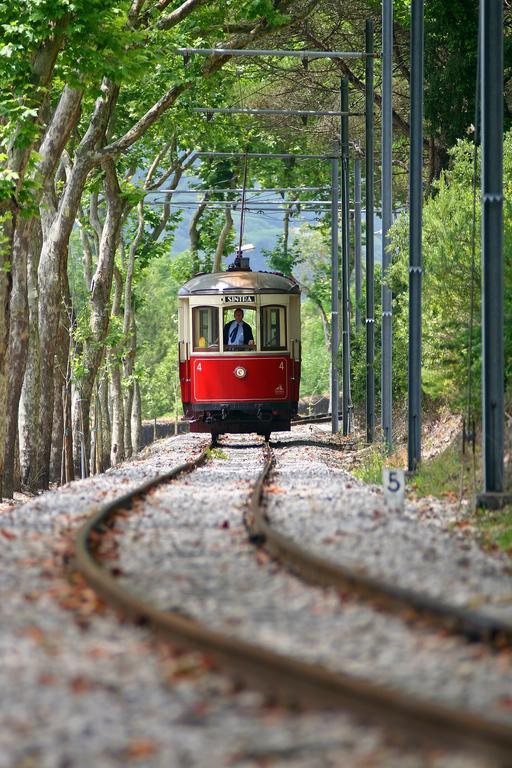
{"points": [[495, 527], [441, 475], [369, 468], [217, 453]]}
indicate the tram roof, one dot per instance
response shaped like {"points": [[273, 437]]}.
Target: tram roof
{"points": [[236, 282]]}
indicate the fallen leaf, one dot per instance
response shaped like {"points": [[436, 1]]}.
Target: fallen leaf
{"points": [[141, 748], [505, 702], [261, 557], [80, 684], [46, 679]]}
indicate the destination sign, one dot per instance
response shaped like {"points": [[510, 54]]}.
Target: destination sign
{"points": [[238, 299]]}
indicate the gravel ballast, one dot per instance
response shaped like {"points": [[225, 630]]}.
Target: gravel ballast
{"points": [[81, 689]]}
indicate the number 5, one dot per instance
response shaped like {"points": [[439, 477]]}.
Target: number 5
{"points": [[393, 482]]}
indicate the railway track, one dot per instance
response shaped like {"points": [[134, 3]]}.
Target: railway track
{"points": [[295, 681], [472, 624], [324, 419]]}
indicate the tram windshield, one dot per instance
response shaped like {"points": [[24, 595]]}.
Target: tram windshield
{"points": [[205, 321], [239, 329]]}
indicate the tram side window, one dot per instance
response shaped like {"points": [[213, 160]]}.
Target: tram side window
{"points": [[273, 325], [205, 321]]}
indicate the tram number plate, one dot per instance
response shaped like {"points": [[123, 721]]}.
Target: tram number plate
{"points": [[229, 299], [393, 481]]}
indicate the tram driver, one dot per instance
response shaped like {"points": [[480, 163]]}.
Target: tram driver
{"points": [[237, 332]]}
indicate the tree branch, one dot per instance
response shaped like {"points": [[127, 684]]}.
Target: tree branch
{"points": [[181, 164], [212, 65], [398, 121], [185, 9]]}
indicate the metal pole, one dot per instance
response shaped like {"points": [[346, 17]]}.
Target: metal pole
{"points": [[357, 235], [345, 257], [370, 289], [415, 227], [334, 291], [491, 25], [387, 220]]}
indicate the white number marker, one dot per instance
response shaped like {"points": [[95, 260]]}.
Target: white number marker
{"points": [[393, 481]]}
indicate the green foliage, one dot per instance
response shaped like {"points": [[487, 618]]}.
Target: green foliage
{"points": [[308, 259], [447, 233], [441, 475], [369, 468], [315, 352], [158, 384], [157, 368], [217, 453], [495, 527]]}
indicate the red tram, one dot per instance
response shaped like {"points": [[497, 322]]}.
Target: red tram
{"points": [[239, 371]]}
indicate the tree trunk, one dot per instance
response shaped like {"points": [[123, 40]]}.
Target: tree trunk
{"points": [[53, 262], [286, 231], [57, 430], [29, 402], [18, 154], [68, 473], [94, 436], [221, 243], [18, 346], [60, 381], [101, 287], [193, 232], [106, 430], [117, 449], [4, 345], [98, 454], [54, 257], [129, 336], [438, 159], [128, 364], [136, 419], [117, 452], [79, 444]]}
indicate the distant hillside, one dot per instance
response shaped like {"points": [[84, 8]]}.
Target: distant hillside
{"points": [[262, 230]]}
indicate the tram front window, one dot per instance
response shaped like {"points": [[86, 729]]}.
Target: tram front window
{"points": [[238, 329], [205, 321]]}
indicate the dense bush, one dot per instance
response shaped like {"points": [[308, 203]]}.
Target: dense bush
{"points": [[447, 238]]}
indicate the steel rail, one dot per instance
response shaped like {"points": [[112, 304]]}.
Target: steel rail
{"points": [[459, 727], [320, 419], [470, 623], [293, 681]]}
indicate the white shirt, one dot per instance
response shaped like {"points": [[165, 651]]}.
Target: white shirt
{"points": [[239, 338]]}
